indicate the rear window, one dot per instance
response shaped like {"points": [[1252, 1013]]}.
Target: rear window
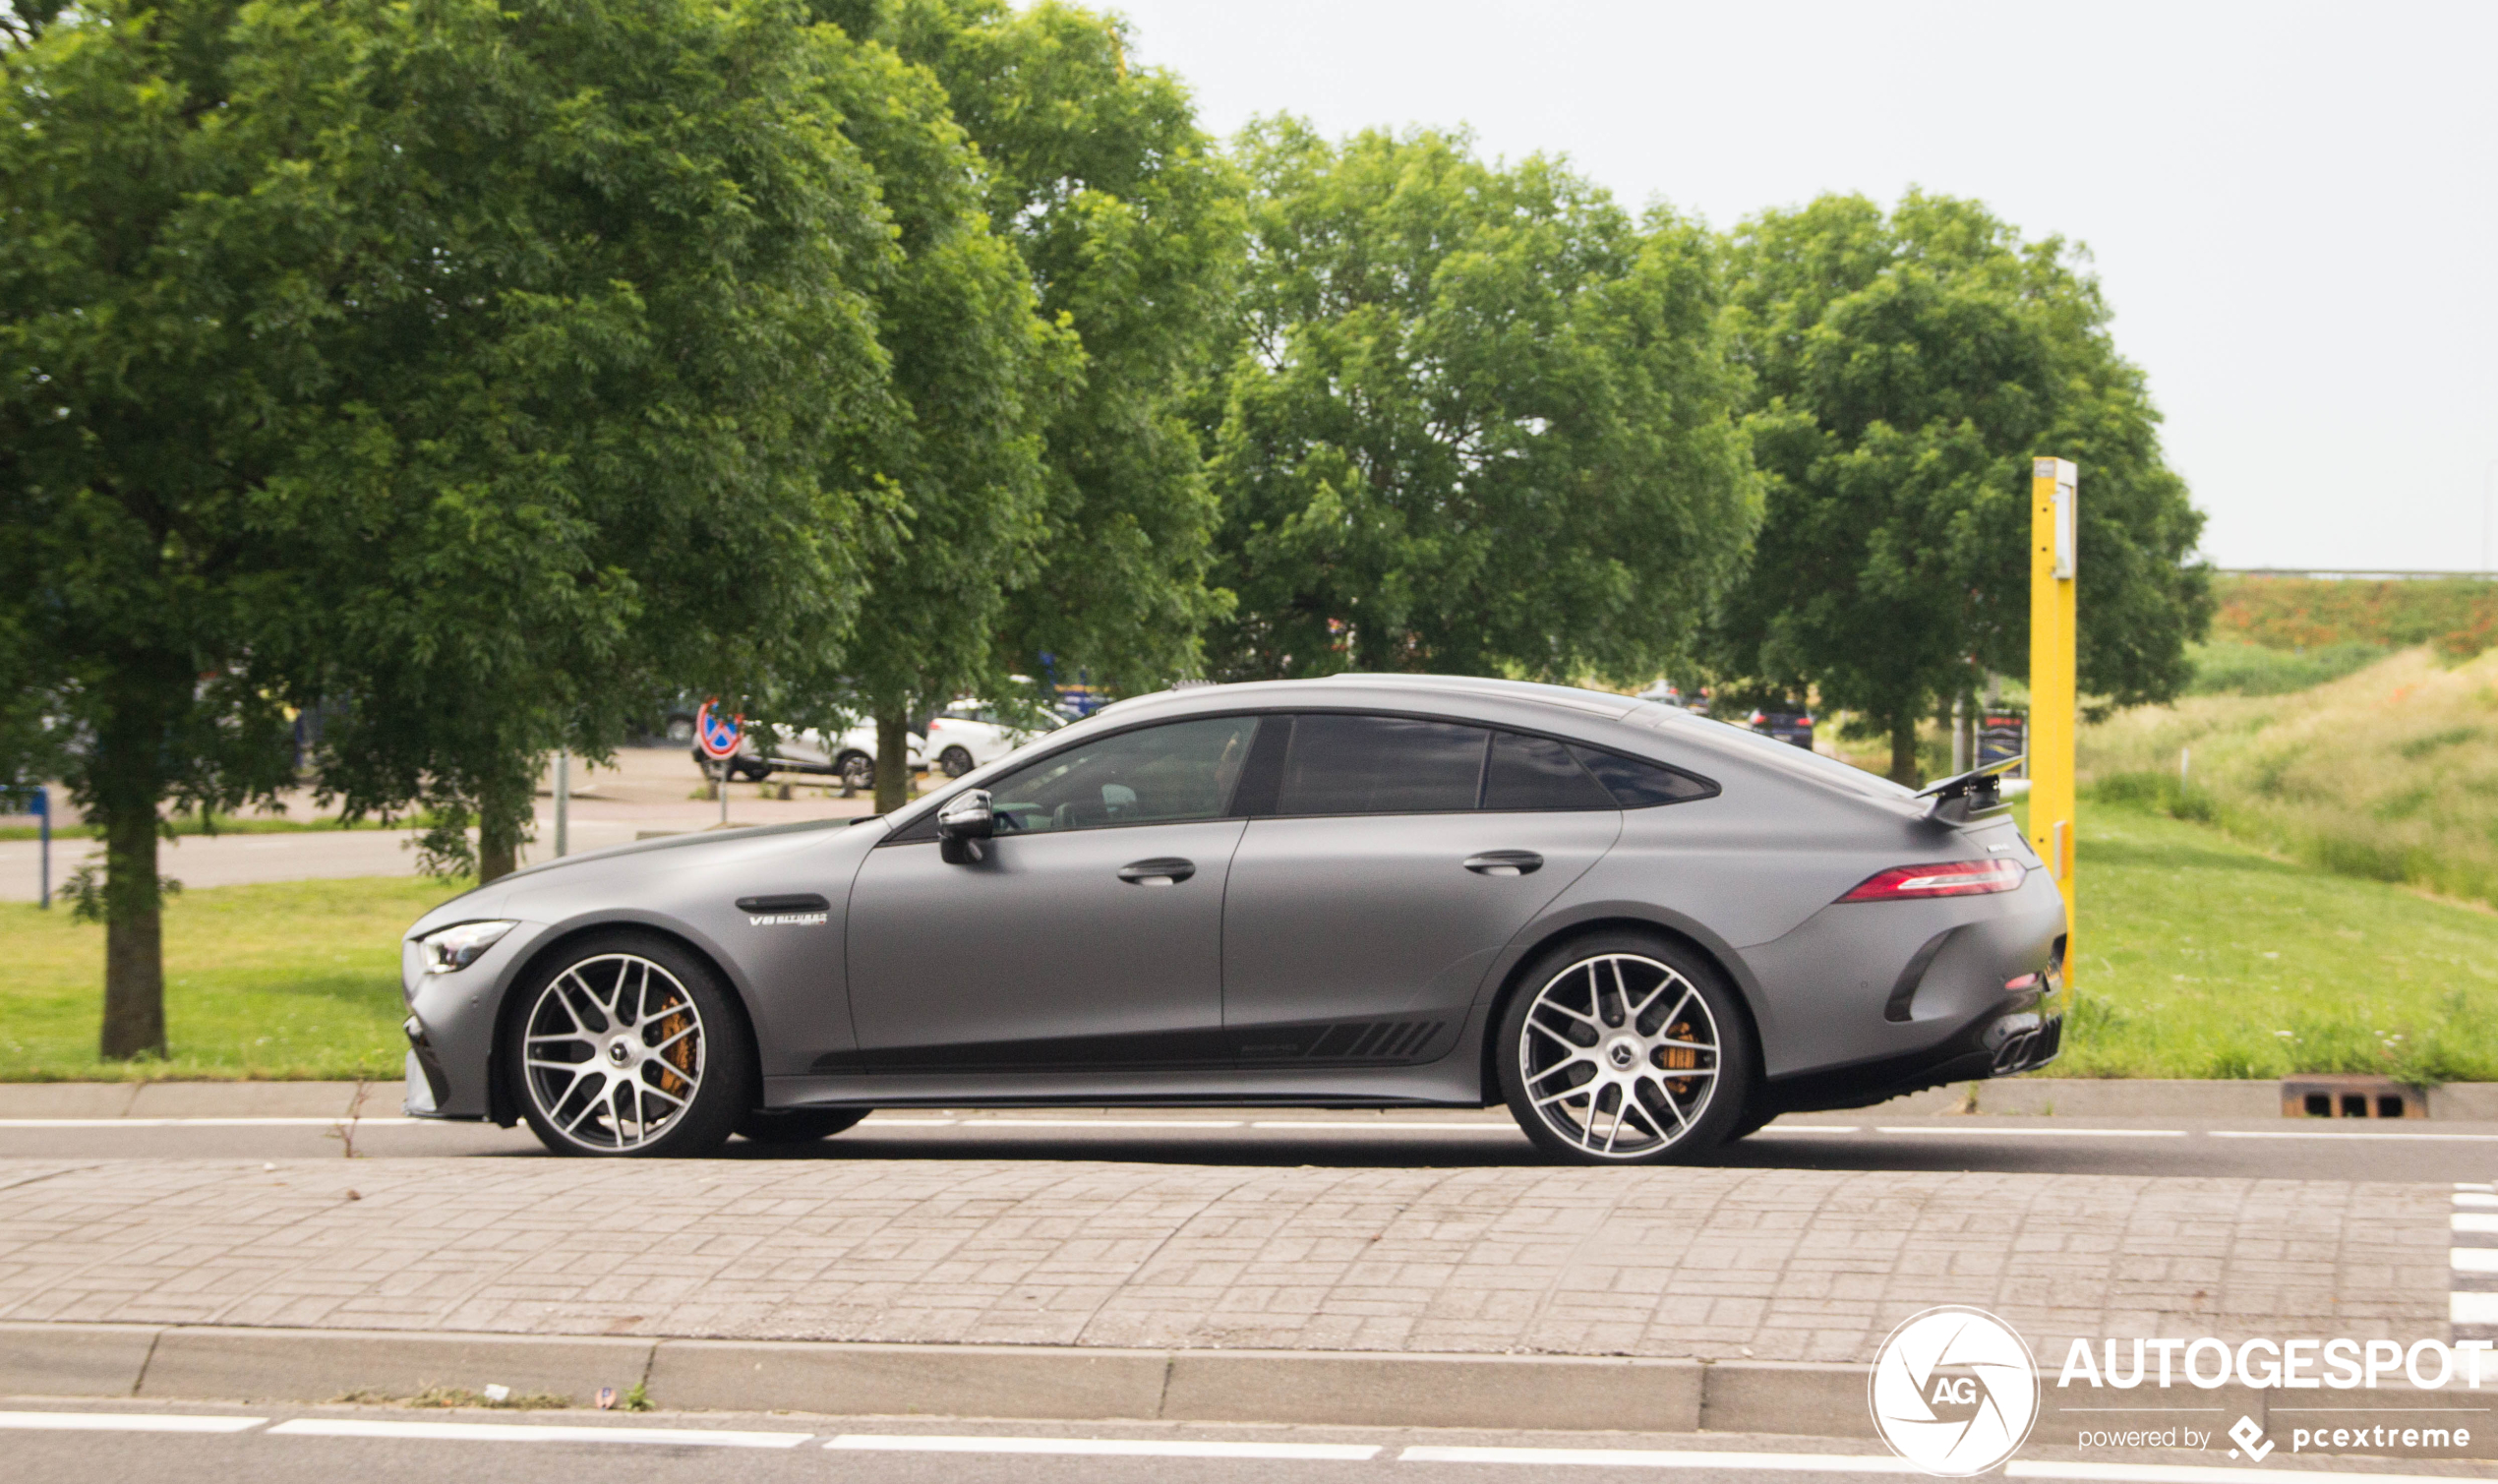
{"points": [[1638, 785]]}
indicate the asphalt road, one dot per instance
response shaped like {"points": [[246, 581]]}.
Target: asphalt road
{"points": [[48, 1442], [2437, 1152]]}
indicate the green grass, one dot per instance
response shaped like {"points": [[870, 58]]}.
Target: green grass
{"points": [[2200, 956], [226, 824], [2388, 773], [292, 980], [2234, 668]]}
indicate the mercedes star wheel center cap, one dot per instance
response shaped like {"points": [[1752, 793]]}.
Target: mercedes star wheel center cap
{"points": [[1624, 1055]]}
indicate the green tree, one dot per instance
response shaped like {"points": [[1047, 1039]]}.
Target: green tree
{"points": [[1483, 421], [1129, 225], [976, 371], [1906, 369], [453, 364]]}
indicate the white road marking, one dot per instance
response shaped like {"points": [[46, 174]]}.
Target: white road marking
{"points": [[1112, 1447], [2070, 1133], [2475, 1220], [1393, 1125], [2472, 1308], [1808, 1128], [2338, 1133], [1099, 1123], [2474, 1258], [2189, 1473], [889, 1120], [1659, 1458], [206, 1122], [2470, 1185], [127, 1422], [497, 1432], [1875, 1463], [2476, 1203]]}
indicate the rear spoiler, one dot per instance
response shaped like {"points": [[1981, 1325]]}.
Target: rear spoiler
{"points": [[1966, 797]]}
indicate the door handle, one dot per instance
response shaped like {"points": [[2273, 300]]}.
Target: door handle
{"points": [[1505, 864], [1162, 870]]}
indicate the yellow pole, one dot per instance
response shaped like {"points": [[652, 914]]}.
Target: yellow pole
{"points": [[2051, 701]]}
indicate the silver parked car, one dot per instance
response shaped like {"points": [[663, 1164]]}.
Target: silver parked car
{"points": [[1645, 931]]}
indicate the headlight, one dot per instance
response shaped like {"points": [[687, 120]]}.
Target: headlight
{"points": [[452, 949]]}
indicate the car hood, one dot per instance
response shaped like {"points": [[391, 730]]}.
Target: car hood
{"points": [[512, 896]]}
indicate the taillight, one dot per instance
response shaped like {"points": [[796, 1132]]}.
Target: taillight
{"points": [[1945, 879], [1805, 722], [1758, 720]]}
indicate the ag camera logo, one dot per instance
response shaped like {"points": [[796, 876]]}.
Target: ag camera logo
{"points": [[1955, 1392]]}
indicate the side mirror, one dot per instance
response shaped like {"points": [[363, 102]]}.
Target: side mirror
{"points": [[962, 825]]}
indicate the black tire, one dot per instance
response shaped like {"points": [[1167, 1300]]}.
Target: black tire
{"points": [[956, 761], [1669, 1010], [754, 772], [1755, 1118], [624, 1000], [856, 770], [797, 1125]]}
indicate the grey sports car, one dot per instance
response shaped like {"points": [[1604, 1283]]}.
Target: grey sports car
{"points": [[1645, 931]]}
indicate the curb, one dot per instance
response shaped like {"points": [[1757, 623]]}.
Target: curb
{"points": [[1026, 1382]]}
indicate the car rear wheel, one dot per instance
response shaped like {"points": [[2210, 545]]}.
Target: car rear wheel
{"points": [[1621, 1049], [797, 1125], [858, 770], [630, 1045], [956, 761]]}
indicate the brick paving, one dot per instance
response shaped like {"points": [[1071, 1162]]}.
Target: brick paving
{"points": [[1780, 1265]]}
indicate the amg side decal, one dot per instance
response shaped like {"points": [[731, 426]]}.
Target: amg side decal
{"points": [[790, 920]]}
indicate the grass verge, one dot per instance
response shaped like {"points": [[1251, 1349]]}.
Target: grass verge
{"points": [[289, 979], [2388, 773], [2201, 957]]}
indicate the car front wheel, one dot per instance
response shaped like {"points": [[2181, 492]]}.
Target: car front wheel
{"points": [[1621, 1049], [956, 761], [627, 1044]]}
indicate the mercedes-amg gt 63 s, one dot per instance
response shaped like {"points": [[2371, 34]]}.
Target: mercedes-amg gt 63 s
{"points": [[1645, 931]]}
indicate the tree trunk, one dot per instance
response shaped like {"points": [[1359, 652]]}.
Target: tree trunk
{"points": [[503, 817], [892, 761], [134, 937], [1904, 751]]}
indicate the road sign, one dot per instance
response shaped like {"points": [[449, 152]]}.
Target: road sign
{"points": [[716, 734]]}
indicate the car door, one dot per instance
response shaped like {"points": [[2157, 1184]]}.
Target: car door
{"points": [[1088, 938], [1374, 888]]}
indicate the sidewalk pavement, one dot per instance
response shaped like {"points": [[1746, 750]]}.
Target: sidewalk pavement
{"points": [[1708, 1264]]}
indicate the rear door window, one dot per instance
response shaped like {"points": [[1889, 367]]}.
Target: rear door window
{"points": [[1538, 773], [1381, 765]]}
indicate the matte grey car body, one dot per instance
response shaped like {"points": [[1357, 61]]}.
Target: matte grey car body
{"points": [[1248, 955]]}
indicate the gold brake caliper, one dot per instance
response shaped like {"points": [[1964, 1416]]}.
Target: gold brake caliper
{"points": [[680, 1055], [1681, 1058]]}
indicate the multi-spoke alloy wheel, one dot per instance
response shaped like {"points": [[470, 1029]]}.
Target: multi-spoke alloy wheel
{"points": [[1618, 1054], [629, 1050]]}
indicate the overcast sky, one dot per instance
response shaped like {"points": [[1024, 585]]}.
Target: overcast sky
{"points": [[2294, 209]]}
